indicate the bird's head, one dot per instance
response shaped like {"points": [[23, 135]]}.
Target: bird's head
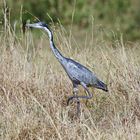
{"points": [[39, 25]]}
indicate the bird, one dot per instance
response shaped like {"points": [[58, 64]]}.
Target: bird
{"points": [[78, 73]]}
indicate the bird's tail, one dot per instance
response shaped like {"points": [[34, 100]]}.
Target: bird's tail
{"points": [[101, 85]]}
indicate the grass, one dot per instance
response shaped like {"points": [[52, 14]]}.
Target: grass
{"points": [[34, 88]]}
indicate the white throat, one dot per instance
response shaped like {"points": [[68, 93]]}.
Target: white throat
{"points": [[49, 32]]}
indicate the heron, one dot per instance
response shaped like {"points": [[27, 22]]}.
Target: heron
{"points": [[78, 73]]}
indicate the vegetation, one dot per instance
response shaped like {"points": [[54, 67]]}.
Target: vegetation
{"points": [[118, 16], [34, 87]]}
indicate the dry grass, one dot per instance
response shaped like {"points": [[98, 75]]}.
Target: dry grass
{"points": [[34, 89]]}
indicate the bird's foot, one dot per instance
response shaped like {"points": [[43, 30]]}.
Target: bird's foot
{"points": [[69, 99], [78, 108], [78, 104]]}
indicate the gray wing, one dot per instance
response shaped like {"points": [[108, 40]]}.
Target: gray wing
{"points": [[79, 73]]}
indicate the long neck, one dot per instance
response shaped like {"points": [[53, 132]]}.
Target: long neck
{"points": [[56, 52]]}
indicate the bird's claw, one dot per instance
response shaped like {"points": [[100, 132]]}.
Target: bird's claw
{"points": [[78, 104], [69, 99], [78, 107]]}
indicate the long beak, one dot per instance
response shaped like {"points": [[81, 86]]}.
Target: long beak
{"points": [[35, 25]]}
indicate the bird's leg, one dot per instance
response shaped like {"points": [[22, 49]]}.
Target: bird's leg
{"points": [[75, 92], [89, 95], [75, 89]]}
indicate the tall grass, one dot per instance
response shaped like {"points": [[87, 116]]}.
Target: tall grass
{"points": [[34, 89], [119, 16]]}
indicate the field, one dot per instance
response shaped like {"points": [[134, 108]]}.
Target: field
{"points": [[34, 87]]}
